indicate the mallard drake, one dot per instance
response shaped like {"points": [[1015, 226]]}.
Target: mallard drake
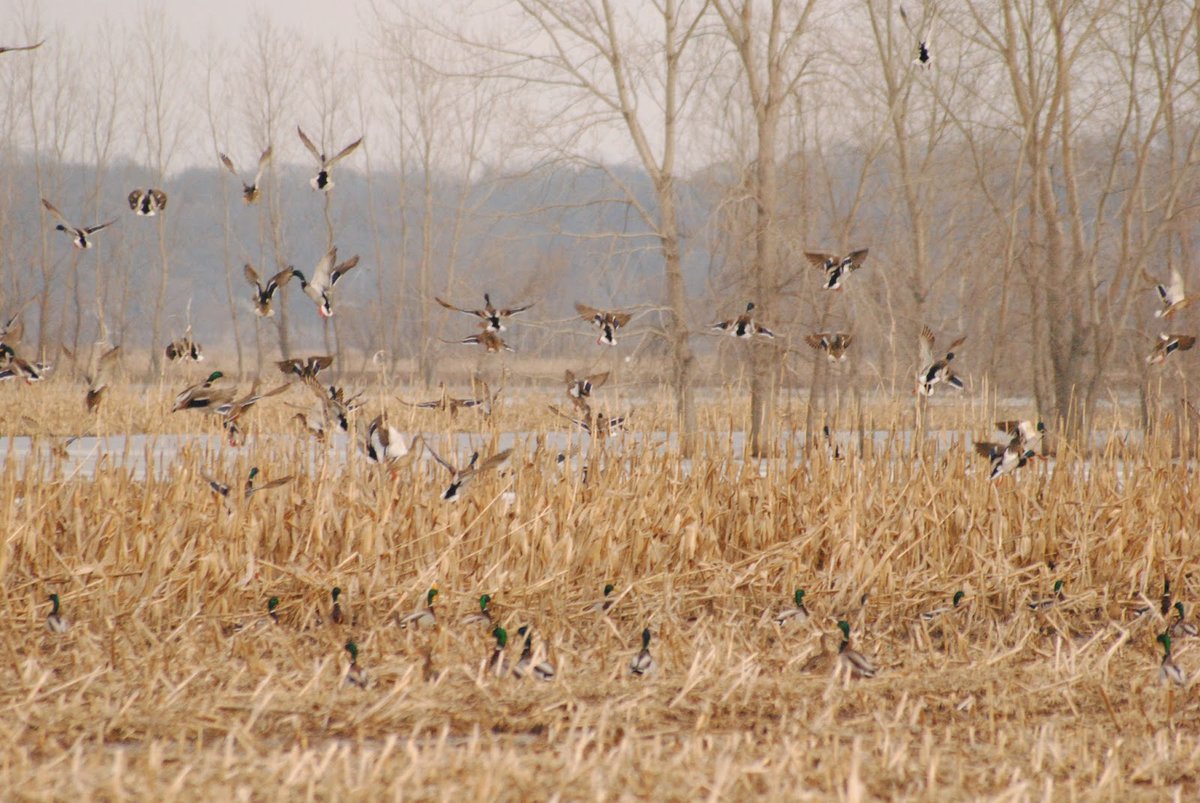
{"points": [[251, 191], [385, 444], [606, 320], [929, 616], [148, 202], [204, 395], [498, 662], [423, 617], [1049, 602], [272, 609], [491, 341], [1181, 627], [305, 367], [264, 293], [598, 424], [1169, 670], [98, 377], [1172, 296], [231, 412], [836, 268], [795, 614], [581, 387], [17, 48], [460, 477], [643, 663], [482, 617], [248, 487], [924, 57], [450, 404], [1169, 344], [1005, 457], [355, 674], [936, 370], [491, 317], [325, 276], [526, 665], [743, 325], [852, 661], [79, 236], [323, 181], [603, 604], [184, 349], [335, 612], [834, 344], [17, 368], [1027, 433], [55, 621], [334, 408]]}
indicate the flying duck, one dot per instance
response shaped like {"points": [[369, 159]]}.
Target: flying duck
{"points": [[98, 377], [834, 344], [184, 349], [203, 396], [744, 325], [148, 202], [606, 320], [461, 476], [1172, 296], [492, 319], [1167, 345], [1005, 457], [491, 341], [323, 180], [933, 370], [79, 236], [251, 191], [16, 48], [264, 293], [836, 268]]}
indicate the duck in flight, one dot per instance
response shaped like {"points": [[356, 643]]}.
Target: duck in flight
{"points": [[148, 202], [325, 276], [79, 235], [323, 181], [607, 321], [492, 318], [251, 191], [836, 268]]}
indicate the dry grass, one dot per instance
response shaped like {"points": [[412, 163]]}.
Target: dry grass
{"points": [[153, 694]]}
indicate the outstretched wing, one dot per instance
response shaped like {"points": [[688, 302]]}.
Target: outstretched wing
{"points": [[505, 313], [819, 260], [225, 160], [277, 281], [309, 144], [856, 258], [342, 269], [52, 209], [818, 341], [15, 48], [620, 319], [926, 343], [262, 164], [251, 276], [589, 313], [437, 457], [321, 274], [344, 152], [98, 227]]}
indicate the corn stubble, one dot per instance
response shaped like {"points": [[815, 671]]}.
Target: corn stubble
{"points": [[173, 681]]}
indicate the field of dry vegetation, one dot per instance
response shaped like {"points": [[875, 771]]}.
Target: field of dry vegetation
{"points": [[172, 681]]}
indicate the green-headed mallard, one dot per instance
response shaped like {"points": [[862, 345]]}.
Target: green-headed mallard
{"points": [[603, 604], [148, 202], [857, 664], [335, 612], [1049, 602], [1172, 296], [1169, 670], [643, 662], [203, 396], [324, 277], [795, 614], [98, 377], [273, 609], [1181, 627], [929, 616], [55, 621], [251, 191], [323, 181], [743, 325], [79, 235], [481, 617], [1169, 344], [834, 344], [491, 317], [526, 665], [461, 476], [498, 663], [355, 674], [423, 617], [836, 268], [1028, 433], [17, 368], [1005, 457], [264, 293], [607, 321], [937, 370]]}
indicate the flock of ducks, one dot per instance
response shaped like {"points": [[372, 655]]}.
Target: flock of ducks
{"points": [[837, 655]]}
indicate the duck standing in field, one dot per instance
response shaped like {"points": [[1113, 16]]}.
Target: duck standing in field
{"points": [[955, 602], [323, 181], [607, 321], [853, 661], [99, 376], [481, 617], [836, 268], [1181, 627], [643, 663], [355, 674], [603, 604], [491, 318], [148, 202], [527, 664], [498, 663], [1168, 345], [422, 617], [834, 344], [55, 621], [335, 611], [795, 614], [744, 325], [1046, 603], [934, 370], [1169, 670], [325, 276], [263, 293], [251, 191], [79, 234]]}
